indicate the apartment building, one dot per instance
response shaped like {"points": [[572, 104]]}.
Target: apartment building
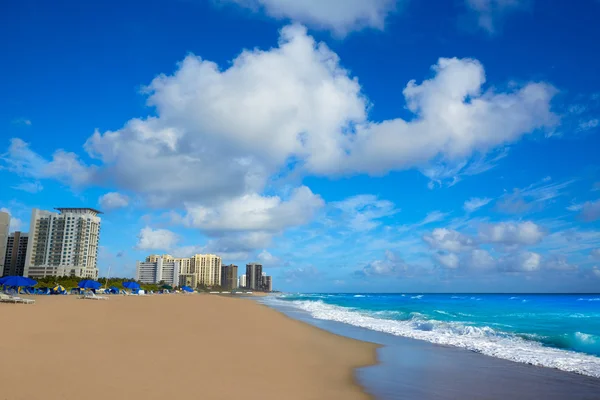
{"points": [[242, 281], [16, 251], [63, 243], [4, 229], [157, 269], [207, 268], [267, 283], [254, 276], [229, 277]]}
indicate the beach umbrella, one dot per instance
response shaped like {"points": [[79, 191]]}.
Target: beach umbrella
{"points": [[18, 281], [114, 290], [131, 285], [187, 289], [89, 284], [58, 289]]}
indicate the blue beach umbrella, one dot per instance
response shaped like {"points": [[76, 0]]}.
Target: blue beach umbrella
{"points": [[89, 284], [18, 281], [187, 289], [131, 285]]}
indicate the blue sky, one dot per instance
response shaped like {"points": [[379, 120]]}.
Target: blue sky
{"points": [[348, 145]]}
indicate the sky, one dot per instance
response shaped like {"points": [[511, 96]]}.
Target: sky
{"points": [[348, 145]]}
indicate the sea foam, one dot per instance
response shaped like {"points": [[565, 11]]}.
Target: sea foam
{"points": [[485, 340]]}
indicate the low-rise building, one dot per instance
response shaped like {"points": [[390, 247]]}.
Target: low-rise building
{"points": [[164, 270]]}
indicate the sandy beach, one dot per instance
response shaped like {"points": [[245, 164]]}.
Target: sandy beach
{"points": [[172, 346]]}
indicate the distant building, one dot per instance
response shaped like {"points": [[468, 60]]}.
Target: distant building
{"points": [[208, 269], [242, 280], [16, 251], [4, 229], [229, 277], [63, 243], [267, 283], [161, 270], [254, 276]]}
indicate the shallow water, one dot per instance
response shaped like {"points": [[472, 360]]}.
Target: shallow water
{"points": [[556, 331]]}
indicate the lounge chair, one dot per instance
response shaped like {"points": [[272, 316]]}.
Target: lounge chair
{"points": [[5, 298], [93, 296]]}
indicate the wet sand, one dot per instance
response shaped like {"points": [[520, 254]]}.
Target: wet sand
{"points": [[412, 369], [171, 346]]}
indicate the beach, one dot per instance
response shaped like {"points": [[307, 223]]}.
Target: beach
{"points": [[172, 346]]}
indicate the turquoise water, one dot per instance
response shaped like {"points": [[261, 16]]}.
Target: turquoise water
{"points": [[558, 331]]}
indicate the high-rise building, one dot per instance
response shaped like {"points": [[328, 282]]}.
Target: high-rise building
{"points": [[160, 270], [207, 268], [254, 276], [267, 283], [242, 283], [16, 251], [229, 277], [63, 243], [4, 229]]}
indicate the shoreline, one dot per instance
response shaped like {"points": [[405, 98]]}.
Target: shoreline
{"points": [[166, 346], [409, 368]]}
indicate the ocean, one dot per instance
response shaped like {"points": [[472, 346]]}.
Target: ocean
{"points": [[555, 331]]}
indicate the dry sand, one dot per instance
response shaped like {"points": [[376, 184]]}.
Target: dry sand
{"points": [[171, 347]]}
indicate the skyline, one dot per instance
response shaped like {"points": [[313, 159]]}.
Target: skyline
{"points": [[387, 146]]}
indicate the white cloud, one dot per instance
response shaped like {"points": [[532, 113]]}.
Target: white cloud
{"points": [[64, 166], [29, 187], [512, 233], [474, 203], [559, 263], [156, 239], [113, 200], [447, 260], [532, 197], [431, 217], [596, 272], [479, 259], [339, 16], [253, 212], [489, 14], [364, 211], [521, 262], [269, 260], [22, 121], [589, 124], [389, 266], [590, 211], [449, 240], [15, 224], [221, 133]]}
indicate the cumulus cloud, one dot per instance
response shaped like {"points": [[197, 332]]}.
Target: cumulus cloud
{"points": [[475, 203], [221, 133], [559, 263], [512, 233], [63, 166], [268, 259], [391, 265], [113, 200], [29, 187], [590, 211], [156, 239], [447, 260], [489, 14], [449, 240], [339, 16], [364, 211], [253, 212], [525, 261]]}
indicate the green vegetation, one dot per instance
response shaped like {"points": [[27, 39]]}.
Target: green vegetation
{"points": [[69, 282]]}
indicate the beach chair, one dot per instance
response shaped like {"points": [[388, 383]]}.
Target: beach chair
{"points": [[93, 296], [6, 298]]}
